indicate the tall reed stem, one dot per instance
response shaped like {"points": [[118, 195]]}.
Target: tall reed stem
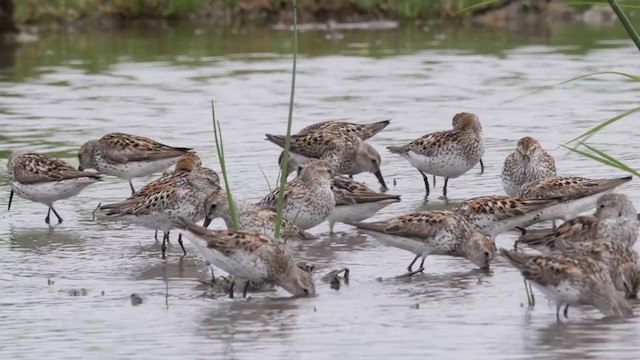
{"points": [[625, 22], [217, 133], [287, 141]]}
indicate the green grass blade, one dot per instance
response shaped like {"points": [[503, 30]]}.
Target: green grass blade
{"points": [[287, 142], [606, 159], [617, 163], [217, 133], [625, 22], [475, 6], [604, 124], [549, 87]]}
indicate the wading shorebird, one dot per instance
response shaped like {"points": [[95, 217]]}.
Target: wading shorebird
{"points": [[529, 162], [128, 156], [363, 131], [182, 193], [433, 233], [345, 152], [615, 219], [250, 256], [448, 153], [571, 281], [308, 199], [45, 179]]}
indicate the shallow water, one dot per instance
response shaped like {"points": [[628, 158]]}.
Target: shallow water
{"points": [[66, 292]]}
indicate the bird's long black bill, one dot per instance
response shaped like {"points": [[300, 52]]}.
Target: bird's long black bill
{"points": [[378, 175], [10, 200], [207, 221]]}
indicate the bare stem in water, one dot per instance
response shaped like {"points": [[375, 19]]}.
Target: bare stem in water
{"points": [[287, 141]]}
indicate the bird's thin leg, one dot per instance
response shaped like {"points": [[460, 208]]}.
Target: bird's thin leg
{"points": [[481, 167], [426, 182], [181, 244], [233, 283], [164, 244], [46, 219], [558, 306], [444, 189], [56, 214], [131, 185], [434, 181], [566, 311], [413, 262], [422, 263], [533, 297], [244, 292], [155, 236], [10, 199]]}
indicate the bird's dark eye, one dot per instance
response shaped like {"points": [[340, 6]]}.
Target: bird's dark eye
{"points": [[601, 206], [306, 292], [486, 253]]}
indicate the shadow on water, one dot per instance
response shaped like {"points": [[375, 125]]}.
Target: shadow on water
{"points": [[44, 240]]}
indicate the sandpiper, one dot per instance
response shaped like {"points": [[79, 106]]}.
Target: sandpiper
{"points": [[448, 153], [182, 193], [528, 163], [308, 199], [571, 281], [621, 261], [252, 218], [250, 256], [363, 131], [45, 179], [615, 219], [576, 194], [356, 202], [494, 215], [433, 233], [128, 156], [345, 152]]}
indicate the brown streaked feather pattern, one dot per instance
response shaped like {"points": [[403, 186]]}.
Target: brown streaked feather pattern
{"points": [[31, 168], [501, 207], [552, 269], [581, 227], [568, 188], [121, 148], [422, 225], [363, 131], [318, 144], [349, 192]]}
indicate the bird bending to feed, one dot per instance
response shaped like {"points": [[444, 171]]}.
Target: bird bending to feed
{"points": [[182, 193], [252, 218], [576, 194], [621, 261], [363, 131], [433, 233], [571, 281], [45, 179], [529, 162], [494, 215], [449, 153], [615, 219], [308, 199], [250, 256], [345, 152], [128, 156], [356, 202]]}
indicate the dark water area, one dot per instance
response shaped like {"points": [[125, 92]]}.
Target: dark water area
{"points": [[66, 292]]}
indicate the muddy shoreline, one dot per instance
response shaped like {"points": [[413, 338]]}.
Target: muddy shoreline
{"points": [[507, 14]]}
